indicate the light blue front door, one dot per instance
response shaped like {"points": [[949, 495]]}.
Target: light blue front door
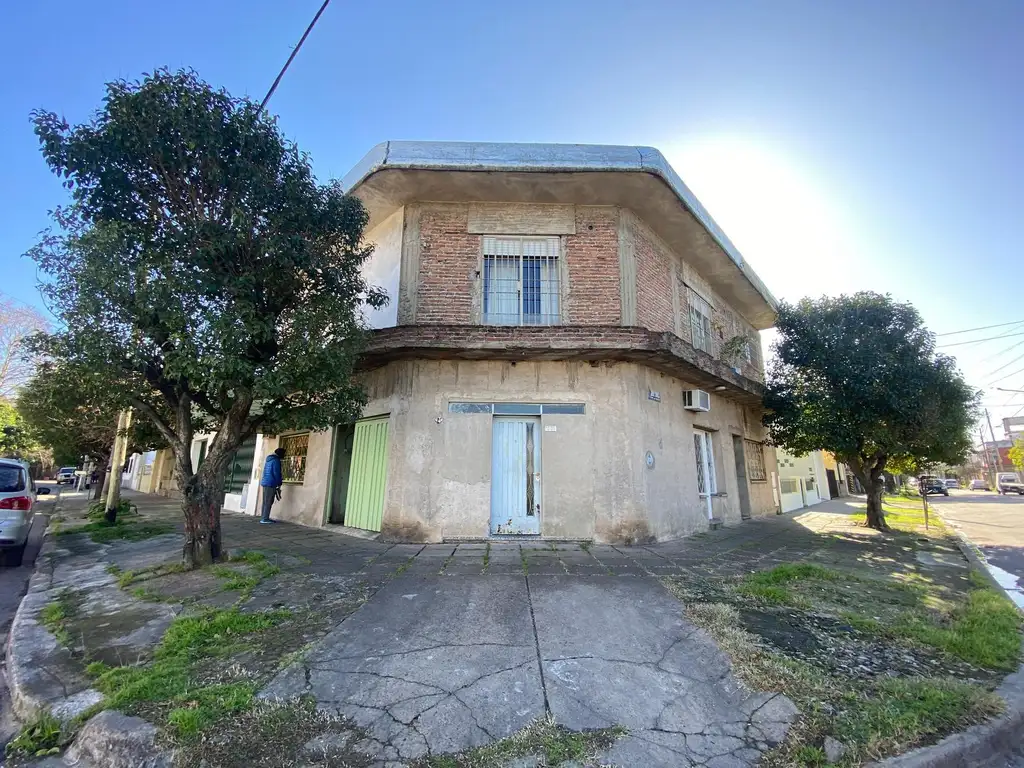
{"points": [[515, 475]]}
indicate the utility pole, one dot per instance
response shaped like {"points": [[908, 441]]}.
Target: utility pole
{"points": [[995, 447], [117, 456]]}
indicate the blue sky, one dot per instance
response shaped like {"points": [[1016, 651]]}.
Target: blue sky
{"points": [[842, 146]]}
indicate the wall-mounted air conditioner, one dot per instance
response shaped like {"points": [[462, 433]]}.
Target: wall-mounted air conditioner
{"points": [[696, 400]]}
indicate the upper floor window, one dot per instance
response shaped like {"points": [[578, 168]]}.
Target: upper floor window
{"points": [[700, 321], [521, 281]]}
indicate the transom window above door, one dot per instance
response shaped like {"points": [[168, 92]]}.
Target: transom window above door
{"points": [[520, 281]]}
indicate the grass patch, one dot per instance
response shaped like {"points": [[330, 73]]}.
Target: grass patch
{"points": [[56, 616], [175, 686], [985, 631], [524, 561], [872, 717], [543, 738], [129, 529], [770, 586], [487, 556], [271, 733], [255, 568], [39, 738]]}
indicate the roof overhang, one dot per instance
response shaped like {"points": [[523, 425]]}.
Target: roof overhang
{"points": [[396, 173]]}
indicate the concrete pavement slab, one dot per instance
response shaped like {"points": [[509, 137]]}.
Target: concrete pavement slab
{"points": [[430, 664], [617, 651]]}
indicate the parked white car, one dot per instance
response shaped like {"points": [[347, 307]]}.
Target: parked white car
{"points": [[17, 497], [66, 475]]}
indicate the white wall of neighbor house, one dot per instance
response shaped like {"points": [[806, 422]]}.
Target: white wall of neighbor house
{"points": [[382, 269], [595, 483], [803, 479]]}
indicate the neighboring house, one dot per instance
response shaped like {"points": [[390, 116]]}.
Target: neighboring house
{"points": [[571, 351], [809, 479], [240, 483]]}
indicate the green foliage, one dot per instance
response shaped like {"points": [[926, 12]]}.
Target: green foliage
{"points": [[43, 736], [201, 266], [73, 410], [1017, 454], [125, 509], [172, 682], [17, 438], [859, 376]]}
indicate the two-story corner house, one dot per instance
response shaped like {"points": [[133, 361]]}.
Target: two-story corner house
{"points": [[570, 351]]}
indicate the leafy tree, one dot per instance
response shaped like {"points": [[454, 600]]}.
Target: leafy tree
{"points": [[74, 412], [1017, 454], [859, 376], [201, 260], [16, 437]]}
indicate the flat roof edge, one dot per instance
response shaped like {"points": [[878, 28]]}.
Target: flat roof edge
{"points": [[490, 156]]}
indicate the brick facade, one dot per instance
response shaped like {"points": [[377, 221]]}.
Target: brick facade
{"points": [[592, 257], [449, 259], [449, 284], [654, 304]]}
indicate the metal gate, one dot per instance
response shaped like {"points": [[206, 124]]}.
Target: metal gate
{"points": [[515, 476], [364, 503]]}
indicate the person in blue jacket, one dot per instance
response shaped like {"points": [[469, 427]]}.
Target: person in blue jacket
{"points": [[271, 483]]}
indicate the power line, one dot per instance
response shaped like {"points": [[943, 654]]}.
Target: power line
{"points": [[981, 328], [1007, 376], [979, 341], [1002, 352], [295, 51], [1007, 365]]}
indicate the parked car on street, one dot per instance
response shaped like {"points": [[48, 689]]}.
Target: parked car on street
{"points": [[952, 482], [980, 485], [17, 497], [1008, 482], [930, 486], [65, 475]]}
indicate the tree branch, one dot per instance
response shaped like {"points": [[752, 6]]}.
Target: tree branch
{"points": [[162, 426]]}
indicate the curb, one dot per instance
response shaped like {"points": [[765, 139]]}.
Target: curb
{"points": [[979, 742], [27, 639]]}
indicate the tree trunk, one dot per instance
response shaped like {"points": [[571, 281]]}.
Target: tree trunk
{"points": [[876, 517], [869, 472], [201, 504], [99, 490]]}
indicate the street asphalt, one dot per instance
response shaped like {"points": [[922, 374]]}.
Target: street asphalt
{"points": [[995, 524]]}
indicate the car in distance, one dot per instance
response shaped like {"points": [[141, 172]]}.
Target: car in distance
{"points": [[980, 485], [952, 483], [1008, 482], [17, 497], [65, 475], [929, 486]]}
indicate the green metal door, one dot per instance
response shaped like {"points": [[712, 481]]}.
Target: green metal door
{"points": [[364, 505]]}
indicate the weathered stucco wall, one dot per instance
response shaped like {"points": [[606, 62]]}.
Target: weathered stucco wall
{"points": [[302, 502], [594, 478], [595, 482]]}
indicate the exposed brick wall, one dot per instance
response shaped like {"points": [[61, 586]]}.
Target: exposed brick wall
{"points": [[653, 285], [449, 258], [592, 258]]}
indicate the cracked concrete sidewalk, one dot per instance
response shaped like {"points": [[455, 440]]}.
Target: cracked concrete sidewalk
{"points": [[438, 664], [458, 645]]}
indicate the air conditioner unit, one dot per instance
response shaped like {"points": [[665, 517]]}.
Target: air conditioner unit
{"points": [[696, 400]]}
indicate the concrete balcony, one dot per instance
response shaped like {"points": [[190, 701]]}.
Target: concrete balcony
{"points": [[661, 351]]}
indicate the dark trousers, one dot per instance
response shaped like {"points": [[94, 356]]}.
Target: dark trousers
{"points": [[269, 494]]}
